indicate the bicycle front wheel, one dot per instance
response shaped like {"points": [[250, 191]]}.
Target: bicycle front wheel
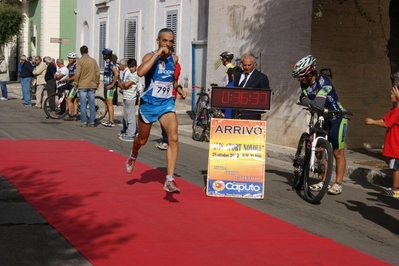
{"points": [[55, 106], [300, 161], [197, 106], [315, 183], [199, 125]]}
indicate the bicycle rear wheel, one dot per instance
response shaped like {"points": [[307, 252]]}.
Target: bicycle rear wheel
{"points": [[100, 106], [200, 124], [55, 106], [299, 161], [323, 165]]}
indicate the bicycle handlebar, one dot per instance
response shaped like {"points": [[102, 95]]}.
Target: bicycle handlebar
{"points": [[323, 111]]}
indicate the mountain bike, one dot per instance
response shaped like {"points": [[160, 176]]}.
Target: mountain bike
{"points": [[313, 160], [203, 113], [55, 106]]}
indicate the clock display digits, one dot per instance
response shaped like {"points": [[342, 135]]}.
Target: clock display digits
{"points": [[244, 97], [236, 97], [241, 98], [225, 99]]}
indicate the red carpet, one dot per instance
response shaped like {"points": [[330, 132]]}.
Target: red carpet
{"points": [[114, 218]]}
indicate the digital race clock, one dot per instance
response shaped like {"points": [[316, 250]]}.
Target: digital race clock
{"points": [[241, 98]]}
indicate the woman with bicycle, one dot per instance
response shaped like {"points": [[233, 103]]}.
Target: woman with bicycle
{"points": [[319, 90]]}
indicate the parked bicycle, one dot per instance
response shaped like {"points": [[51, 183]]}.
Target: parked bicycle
{"points": [[55, 106], [203, 113], [313, 161]]}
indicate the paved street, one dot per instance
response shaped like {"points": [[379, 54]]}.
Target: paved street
{"points": [[358, 218]]}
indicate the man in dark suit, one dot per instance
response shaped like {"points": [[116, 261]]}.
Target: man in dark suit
{"points": [[250, 78]]}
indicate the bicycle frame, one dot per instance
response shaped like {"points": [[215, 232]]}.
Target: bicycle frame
{"points": [[313, 130]]}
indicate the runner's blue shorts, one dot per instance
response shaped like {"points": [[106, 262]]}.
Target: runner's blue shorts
{"points": [[150, 113]]}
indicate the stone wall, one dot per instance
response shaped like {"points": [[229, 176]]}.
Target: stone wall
{"points": [[355, 52]]}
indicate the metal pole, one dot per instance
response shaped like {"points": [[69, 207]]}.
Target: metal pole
{"points": [[59, 49]]}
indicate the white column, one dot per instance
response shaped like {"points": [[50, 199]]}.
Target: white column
{"points": [[50, 27]]}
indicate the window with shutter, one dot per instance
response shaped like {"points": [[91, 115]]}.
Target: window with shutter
{"points": [[130, 41], [171, 23], [103, 34]]}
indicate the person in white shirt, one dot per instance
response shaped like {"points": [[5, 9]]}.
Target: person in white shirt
{"points": [[128, 85], [4, 77], [61, 75]]}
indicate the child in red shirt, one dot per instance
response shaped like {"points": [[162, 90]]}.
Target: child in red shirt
{"points": [[391, 142]]}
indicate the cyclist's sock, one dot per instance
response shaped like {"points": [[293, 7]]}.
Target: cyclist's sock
{"points": [[169, 177]]}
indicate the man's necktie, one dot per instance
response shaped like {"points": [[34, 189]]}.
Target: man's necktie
{"points": [[243, 81]]}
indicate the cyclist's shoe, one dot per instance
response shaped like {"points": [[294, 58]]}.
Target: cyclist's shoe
{"points": [[389, 192], [129, 165], [170, 186], [336, 189], [69, 118], [316, 187]]}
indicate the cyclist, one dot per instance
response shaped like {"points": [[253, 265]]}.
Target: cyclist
{"points": [[110, 79], [318, 90], [72, 108], [226, 58]]}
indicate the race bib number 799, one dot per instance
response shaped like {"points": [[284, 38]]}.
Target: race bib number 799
{"points": [[162, 89]]}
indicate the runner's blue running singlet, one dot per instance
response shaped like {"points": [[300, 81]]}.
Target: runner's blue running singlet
{"points": [[159, 81]]}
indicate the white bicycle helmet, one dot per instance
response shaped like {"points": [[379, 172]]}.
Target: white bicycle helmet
{"points": [[72, 55], [227, 55], [304, 66]]}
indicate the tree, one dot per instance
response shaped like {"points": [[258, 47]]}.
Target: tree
{"points": [[11, 21]]}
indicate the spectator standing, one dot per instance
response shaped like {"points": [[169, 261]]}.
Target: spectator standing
{"points": [[250, 78], [158, 68], [228, 112], [115, 98], [87, 79], [26, 79], [128, 84], [226, 58], [72, 107], [49, 78], [110, 79], [39, 73], [4, 77], [391, 144], [61, 75]]}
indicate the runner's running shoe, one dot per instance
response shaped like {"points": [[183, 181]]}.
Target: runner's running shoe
{"points": [[170, 186], [129, 165]]}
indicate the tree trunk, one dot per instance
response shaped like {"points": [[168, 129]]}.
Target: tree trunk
{"points": [[393, 43]]}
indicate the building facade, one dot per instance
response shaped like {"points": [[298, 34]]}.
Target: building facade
{"points": [[350, 48], [130, 28]]}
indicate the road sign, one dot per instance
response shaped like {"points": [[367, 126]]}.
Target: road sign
{"points": [[60, 40]]}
